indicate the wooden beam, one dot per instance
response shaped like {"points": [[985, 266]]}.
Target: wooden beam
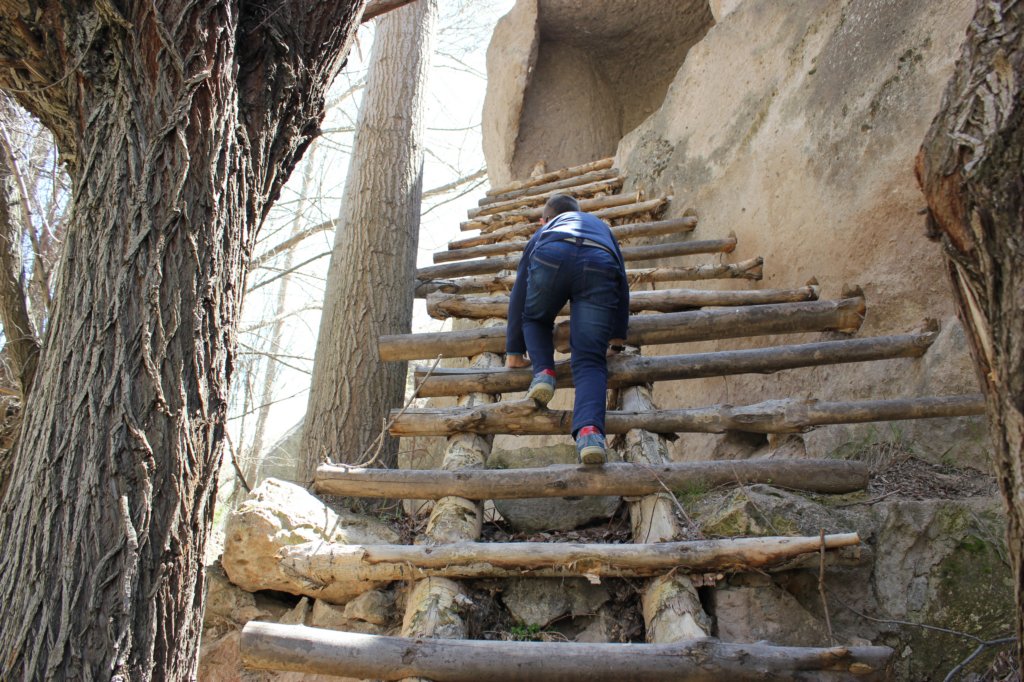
{"points": [[566, 183], [531, 214], [751, 269], [539, 199], [375, 8], [692, 325], [323, 563], [626, 480], [633, 370], [483, 266], [442, 306], [621, 232], [545, 178], [274, 646], [772, 416]]}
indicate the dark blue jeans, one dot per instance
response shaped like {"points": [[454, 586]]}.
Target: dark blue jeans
{"points": [[588, 277]]}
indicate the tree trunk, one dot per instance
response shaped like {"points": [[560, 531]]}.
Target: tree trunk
{"points": [[971, 168], [179, 122], [378, 231]]}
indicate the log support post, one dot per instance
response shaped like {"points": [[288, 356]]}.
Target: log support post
{"points": [[434, 604], [671, 608]]}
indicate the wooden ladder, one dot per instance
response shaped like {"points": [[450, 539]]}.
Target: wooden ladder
{"points": [[471, 280]]}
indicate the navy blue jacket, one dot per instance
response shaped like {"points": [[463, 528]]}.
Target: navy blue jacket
{"points": [[573, 224]]}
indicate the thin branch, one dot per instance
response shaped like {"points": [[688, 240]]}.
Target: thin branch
{"points": [[375, 8], [288, 271], [455, 184], [821, 589], [277, 318], [294, 240]]}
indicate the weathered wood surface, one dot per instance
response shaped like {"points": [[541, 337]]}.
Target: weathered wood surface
{"points": [[322, 563], [748, 269], [578, 191], [551, 176], [483, 266], [273, 646], [788, 415], [442, 306], [693, 325], [585, 178], [533, 214], [456, 251], [633, 370], [623, 479]]}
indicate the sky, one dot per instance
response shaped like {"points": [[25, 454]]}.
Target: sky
{"points": [[455, 94]]}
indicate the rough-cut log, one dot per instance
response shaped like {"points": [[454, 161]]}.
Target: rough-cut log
{"points": [[626, 480], [748, 269], [630, 371], [442, 306], [532, 214], [671, 607], [694, 325], [483, 266], [545, 178], [589, 189], [273, 646], [586, 178], [321, 563], [646, 229], [772, 416]]}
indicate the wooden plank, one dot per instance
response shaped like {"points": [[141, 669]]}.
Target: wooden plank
{"points": [[531, 214], [633, 370], [539, 199], [274, 646], [751, 269], [788, 415], [692, 325]]}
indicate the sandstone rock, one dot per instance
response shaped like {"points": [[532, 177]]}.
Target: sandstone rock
{"points": [[332, 616], [278, 514], [602, 627], [548, 513], [539, 601], [372, 607], [757, 609], [298, 615]]}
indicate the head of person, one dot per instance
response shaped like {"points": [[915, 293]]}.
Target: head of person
{"points": [[557, 205]]}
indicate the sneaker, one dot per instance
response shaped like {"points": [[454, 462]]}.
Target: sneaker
{"points": [[542, 388], [591, 449]]}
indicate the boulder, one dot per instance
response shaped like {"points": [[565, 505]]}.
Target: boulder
{"points": [[539, 601], [277, 514]]}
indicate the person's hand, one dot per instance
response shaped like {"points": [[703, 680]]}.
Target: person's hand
{"points": [[516, 361]]}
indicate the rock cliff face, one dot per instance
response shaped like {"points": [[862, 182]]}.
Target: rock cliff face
{"points": [[794, 125]]}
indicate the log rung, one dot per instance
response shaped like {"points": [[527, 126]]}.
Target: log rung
{"points": [[631, 371], [274, 646], [750, 269], [620, 479], [564, 184], [544, 178], [522, 417]]}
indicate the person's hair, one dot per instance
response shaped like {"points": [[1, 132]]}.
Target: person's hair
{"points": [[558, 204]]}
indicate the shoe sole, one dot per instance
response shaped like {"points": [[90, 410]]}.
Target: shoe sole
{"points": [[592, 455], [542, 393]]}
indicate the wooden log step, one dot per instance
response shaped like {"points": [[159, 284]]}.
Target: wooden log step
{"points": [[323, 563], [551, 176], [621, 232], [442, 306], [297, 648], [633, 370], [484, 266], [789, 415], [597, 187], [692, 325], [564, 184], [626, 480], [533, 213], [751, 269]]}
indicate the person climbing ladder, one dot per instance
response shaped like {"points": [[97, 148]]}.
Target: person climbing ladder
{"points": [[572, 257]]}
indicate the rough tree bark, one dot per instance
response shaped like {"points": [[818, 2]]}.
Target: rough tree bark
{"points": [[371, 277], [179, 122], [971, 168]]}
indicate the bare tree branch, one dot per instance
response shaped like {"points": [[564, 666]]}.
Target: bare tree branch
{"points": [[292, 241], [375, 8]]}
